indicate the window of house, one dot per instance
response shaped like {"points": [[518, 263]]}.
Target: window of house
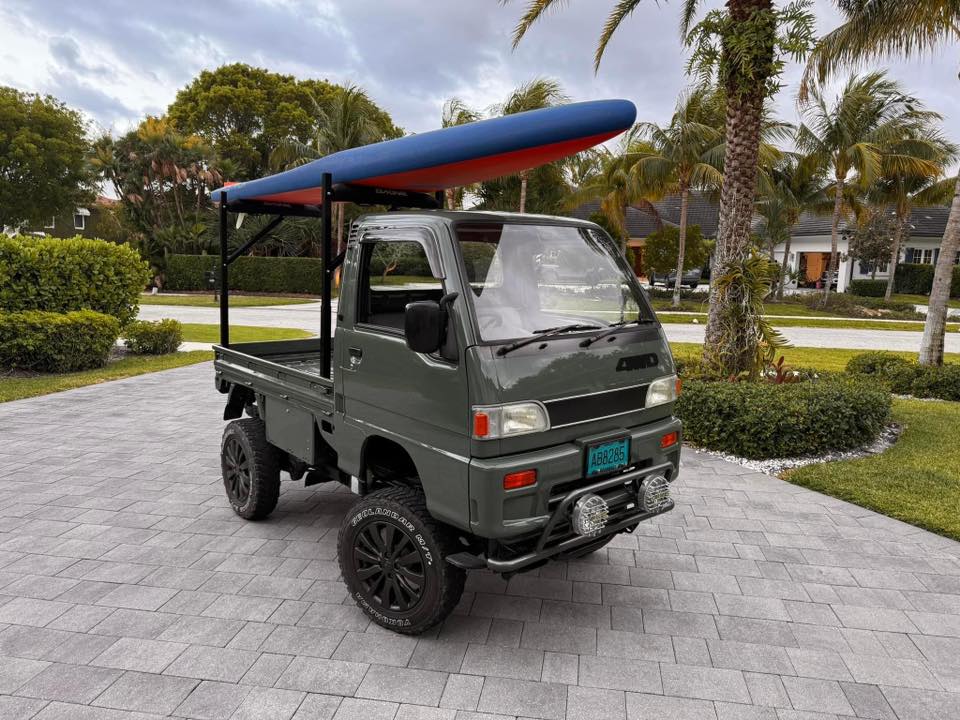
{"points": [[79, 221], [394, 272], [926, 256], [52, 224]]}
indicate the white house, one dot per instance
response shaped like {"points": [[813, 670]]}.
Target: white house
{"points": [[810, 248]]}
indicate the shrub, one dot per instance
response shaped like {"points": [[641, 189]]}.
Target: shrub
{"points": [[895, 371], [937, 382], [249, 273], [868, 288], [153, 338], [56, 342], [917, 279], [66, 274], [762, 420], [858, 306]]}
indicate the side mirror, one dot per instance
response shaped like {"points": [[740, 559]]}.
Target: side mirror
{"points": [[423, 325]]}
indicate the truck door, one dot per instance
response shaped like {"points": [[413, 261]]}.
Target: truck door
{"points": [[417, 400]]}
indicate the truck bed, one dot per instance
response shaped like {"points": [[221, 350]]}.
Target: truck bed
{"points": [[287, 369]]}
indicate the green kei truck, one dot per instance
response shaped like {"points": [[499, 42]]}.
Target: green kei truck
{"points": [[486, 413]]}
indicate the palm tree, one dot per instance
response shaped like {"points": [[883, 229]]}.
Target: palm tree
{"points": [[857, 137], [534, 95], [684, 155], [746, 41], [881, 28], [795, 184], [347, 123], [456, 112], [903, 189]]}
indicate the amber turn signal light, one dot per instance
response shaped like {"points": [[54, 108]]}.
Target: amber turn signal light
{"points": [[521, 479]]}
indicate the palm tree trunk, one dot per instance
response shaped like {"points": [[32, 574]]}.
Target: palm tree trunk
{"points": [[894, 258], [451, 194], [681, 245], [931, 348], [832, 267], [783, 265], [731, 340], [523, 191]]}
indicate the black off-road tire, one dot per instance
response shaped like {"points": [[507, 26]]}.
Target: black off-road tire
{"points": [[251, 469], [417, 539]]}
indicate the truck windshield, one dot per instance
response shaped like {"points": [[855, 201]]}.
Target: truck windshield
{"points": [[529, 278]]}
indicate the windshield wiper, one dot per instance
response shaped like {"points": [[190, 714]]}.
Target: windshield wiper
{"points": [[587, 342], [539, 335]]}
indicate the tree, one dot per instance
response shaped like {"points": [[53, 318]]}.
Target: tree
{"points": [[456, 112], [745, 45], [684, 155], [661, 250], [244, 112], [861, 132], [43, 149], [872, 239], [545, 191], [881, 28], [795, 184], [163, 179], [534, 95], [904, 188], [345, 123]]}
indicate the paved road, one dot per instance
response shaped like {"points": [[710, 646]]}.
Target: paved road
{"points": [[128, 586], [307, 317]]}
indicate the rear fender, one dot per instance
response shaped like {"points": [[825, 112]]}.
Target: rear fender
{"points": [[236, 401]]}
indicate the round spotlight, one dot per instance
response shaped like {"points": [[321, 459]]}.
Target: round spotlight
{"points": [[654, 493], [590, 515]]}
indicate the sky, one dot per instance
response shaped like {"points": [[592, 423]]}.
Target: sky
{"points": [[118, 61]]}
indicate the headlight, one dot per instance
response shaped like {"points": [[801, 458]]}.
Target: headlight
{"points": [[497, 421], [662, 390]]}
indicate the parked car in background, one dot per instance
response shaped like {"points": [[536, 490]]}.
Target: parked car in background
{"points": [[690, 279]]}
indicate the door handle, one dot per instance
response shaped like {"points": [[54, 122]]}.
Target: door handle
{"points": [[356, 355]]}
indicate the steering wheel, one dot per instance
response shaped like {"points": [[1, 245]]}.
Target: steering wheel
{"points": [[490, 321]]}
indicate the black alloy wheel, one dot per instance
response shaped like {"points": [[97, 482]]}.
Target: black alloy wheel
{"points": [[389, 566], [236, 471]]}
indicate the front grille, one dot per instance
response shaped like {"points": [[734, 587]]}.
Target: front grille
{"points": [[583, 408]]}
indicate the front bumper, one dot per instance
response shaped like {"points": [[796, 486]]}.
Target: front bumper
{"points": [[556, 537]]}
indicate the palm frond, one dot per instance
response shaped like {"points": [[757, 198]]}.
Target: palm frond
{"points": [[534, 11], [620, 11]]}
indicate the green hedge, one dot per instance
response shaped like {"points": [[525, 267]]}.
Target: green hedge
{"points": [[917, 279], [66, 274], [761, 420], [868, 288], [908, 377], [56, 342], [143, 337], [248, 273]]}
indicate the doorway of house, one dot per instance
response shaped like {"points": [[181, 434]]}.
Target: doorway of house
{"points": [[813, 269]]}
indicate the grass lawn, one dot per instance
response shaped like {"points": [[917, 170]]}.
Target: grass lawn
{"points": [[917, 480], [16, 388], [206, 300], [846, 323], [830, 359], [921, 299], [792, 309], [196, 332]]}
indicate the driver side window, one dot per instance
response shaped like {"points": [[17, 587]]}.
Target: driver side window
{"points": [[393, 273]]}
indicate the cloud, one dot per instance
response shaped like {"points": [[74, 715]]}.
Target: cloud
{"points": [[118, 61]]}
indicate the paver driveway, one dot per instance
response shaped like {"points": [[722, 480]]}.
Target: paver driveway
{"points": [[128, 586]]}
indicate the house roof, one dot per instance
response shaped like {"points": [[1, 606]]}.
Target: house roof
{"points": [[924, 221], [640, 223], [703, 209]]}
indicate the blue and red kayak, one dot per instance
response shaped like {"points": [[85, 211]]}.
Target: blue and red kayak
{"points": [[450, 157]]}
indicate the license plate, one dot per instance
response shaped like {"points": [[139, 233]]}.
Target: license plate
{"points": [[607, 456]]}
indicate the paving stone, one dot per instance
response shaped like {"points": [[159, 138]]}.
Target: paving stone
{"points": [[615, 674], [817, 695], [69, 683], [867, 701], [19, 708], [354, 709], [202, 631], [591, 703], [642, 706], [31, 611], [402, 685], [385, 649], [704, 683], [211, 663], [421, 712], [922, 704], [559, 638], [14, 672], [560, 668], [750, 656], [890, 671], [146, 693], [137, 597], [315, 642], [523, 664], [319, 675], [634, 646], [437, 654], [268, 704], [150, 656], [462, 692], [519, 697]]}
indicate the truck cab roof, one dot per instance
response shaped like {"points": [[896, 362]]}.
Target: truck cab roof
{"points": [[479, 216]]}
